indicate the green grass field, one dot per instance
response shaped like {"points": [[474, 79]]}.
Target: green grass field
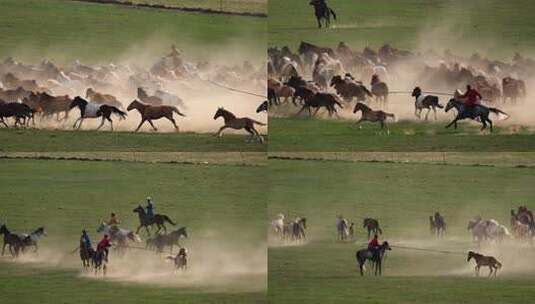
{"points": [[30, 140], [402, 197], [491, 27], [239, 6], [64, 30], [302, 134], [215, 202]]}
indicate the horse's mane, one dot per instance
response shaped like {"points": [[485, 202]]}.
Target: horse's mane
{"points": [[228, 112], [365, 108]]}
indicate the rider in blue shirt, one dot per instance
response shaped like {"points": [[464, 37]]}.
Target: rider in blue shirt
{"points": [[150, 207], [85, 239]]}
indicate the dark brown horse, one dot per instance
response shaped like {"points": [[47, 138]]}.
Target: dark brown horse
{"points": [[379, 90], [372, 225], [15, 241], [370, 115], [349, 89], [150, 113], [146, 220], [233, 122], [376, 257], [482, 260], [21, 112], [160, 241], [328, 101], [144, 97]]}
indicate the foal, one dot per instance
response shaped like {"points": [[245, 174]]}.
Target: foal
{"points": [[231, 121], [482, 260], [370, 115]]}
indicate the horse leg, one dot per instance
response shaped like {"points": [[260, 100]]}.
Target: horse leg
{"points": [[483, 122], [111, 123], [101, 123], [174, 123], [250, 132], [490, 123], [80, 124], [219, 133], [453, 122], [319, 21], [427, 114], [361, 266], [302, 109], [316, 112], [76, 121], [153, 127], [260, 138], [140, 124]]}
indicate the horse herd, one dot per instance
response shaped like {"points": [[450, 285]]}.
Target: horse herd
{"points": [[47, 94], [121, 239], [482, 230], [335, 72]]}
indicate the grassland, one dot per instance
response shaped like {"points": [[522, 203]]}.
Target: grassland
{"points": [[238, 6], [36, 140], [66, 196], [64, 30], [291, 134], [492, 27], [401, 196]]}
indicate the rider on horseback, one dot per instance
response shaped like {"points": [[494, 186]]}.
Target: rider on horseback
{"points": [[85, 240], [374, 245], [472, 100], [104, 244], [150, 207], [114, 220]]}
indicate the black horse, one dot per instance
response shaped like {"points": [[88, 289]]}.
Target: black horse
{"points": [[86, 254], [376, 258], [480, 111], [99, 261], [263, 107], [21, 112], [145, 220], [322, 11], [15, 241], [372, 225]]}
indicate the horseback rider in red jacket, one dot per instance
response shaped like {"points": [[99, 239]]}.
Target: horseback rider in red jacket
{"points": [[104, 244], [472, 99]]}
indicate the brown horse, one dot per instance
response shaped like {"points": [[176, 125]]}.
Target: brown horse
{"points": [[370, 115], [144, 97], [379, 90], [149, 113], [14, 95], [48, 104], [99, 98], [233, 122], [482, 260], [349, 89]]}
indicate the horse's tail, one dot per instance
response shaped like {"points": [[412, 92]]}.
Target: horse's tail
{"points": [[119, 113], [175, 109], [332, 13], [498, 112], [258, 123], [166, 218]]}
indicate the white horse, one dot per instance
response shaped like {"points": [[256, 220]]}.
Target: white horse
{"points": [[487, 230], [342, 227], [119, 235], [278, 225]]}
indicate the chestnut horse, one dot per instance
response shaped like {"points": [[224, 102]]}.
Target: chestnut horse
{"points": [[231, 121], [370, 115], [149, 113]]}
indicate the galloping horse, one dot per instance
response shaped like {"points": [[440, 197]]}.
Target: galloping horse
{"points": [[160, 241], [32, 238], [145, 220], [379, 90], [86, 254], [422, 101], [482, 260], [99, 261], [480, 111], [100, 98], [370, 115], [14, 241], [376, 258], [95, 110], [322, 11], [149, 113], [372, 225], [231, 121]]}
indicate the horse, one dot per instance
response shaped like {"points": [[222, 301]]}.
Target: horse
{"points": [[14, 241], [480, 111], [263, 107], [379, 90], [119, 235], [372, 225], [482, 260], [322, 11], [14, 95], [437, 224], [342, 228], [152, 100], [429, 102], [349, 89], [150, 112], [100, 98], [370, 115], [327, 100], [145, 220], [48, 104], [180, 260], [95, 110], [513, 89], [231, 121], [32, 238], [377, 258], [86, 254], [18, 110], [295, 230], [99, 261], [160, 241], [277, 225]]}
